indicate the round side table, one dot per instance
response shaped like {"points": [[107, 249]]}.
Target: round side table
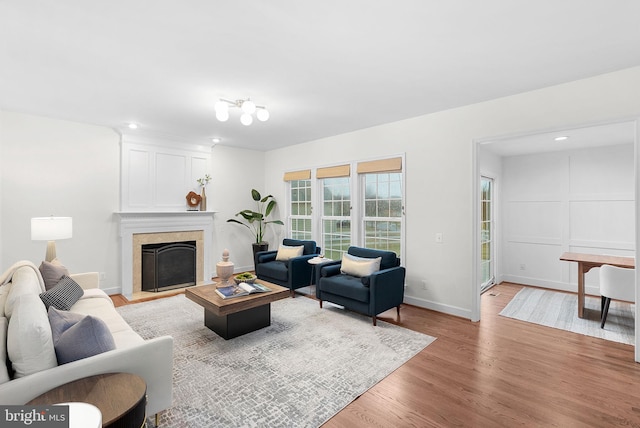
{"points": [[315, 262], [120, 397]]}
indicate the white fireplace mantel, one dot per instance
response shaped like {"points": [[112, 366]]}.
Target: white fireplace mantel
{"points": [[132, 223]]}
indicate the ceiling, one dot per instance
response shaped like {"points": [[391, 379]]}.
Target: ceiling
{"points": [[611, 134], [322, 68]]}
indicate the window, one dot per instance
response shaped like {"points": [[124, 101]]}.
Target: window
{"points": [[300, 209], [336, 216], [383, 211], [369, 214], [486, 234]]}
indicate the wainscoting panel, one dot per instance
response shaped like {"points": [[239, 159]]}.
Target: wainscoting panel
{"points": [[573, 200]]}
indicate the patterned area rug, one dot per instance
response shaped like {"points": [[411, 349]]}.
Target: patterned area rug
{"points": [[560, 310], [298, 372]]}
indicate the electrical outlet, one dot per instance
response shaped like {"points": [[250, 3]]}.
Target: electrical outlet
{"points": [[424, 284], [102, 276], [439, 237], [523, 267]]}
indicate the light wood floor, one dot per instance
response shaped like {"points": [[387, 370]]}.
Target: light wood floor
{"points": [[500, 372]]}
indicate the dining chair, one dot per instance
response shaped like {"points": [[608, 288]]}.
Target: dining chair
{"points": [[615, 283]]}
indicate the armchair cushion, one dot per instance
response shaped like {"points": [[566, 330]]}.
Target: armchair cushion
{"points": [[346, 286], [274, 269], [266, 256], [359, 266], [330, 269], [286, 252]]}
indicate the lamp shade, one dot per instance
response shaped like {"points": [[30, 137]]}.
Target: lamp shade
{"points": [[51, 228]]}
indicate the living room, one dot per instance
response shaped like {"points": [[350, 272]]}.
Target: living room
{"points": [[58, 165]]}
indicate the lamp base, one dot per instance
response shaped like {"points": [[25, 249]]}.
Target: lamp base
{"points": [[51, 251]]}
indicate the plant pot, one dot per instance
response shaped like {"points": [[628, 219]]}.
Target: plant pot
{"points": [[257, 247]]}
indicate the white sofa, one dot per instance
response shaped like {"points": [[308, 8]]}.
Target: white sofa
{"points": [[151, 359]]}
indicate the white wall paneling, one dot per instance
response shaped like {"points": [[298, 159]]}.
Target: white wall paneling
{"points": [[577, 200], [157, 177]]}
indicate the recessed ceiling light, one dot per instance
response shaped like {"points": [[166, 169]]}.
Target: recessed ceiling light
{"points": [[561, 138], [216, 140], [132, 125]]}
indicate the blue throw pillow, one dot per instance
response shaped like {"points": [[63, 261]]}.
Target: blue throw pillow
{"points": [[77, 336]]}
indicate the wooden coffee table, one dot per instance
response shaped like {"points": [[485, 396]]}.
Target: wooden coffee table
{"points": [[234, 317], [121, 397]]}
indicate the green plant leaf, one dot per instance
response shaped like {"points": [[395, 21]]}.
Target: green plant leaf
{"points": [[270, 207], [255, 221]]}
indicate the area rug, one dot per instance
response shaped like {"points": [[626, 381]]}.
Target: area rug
{"points": [[298, 372], [560, 310]]}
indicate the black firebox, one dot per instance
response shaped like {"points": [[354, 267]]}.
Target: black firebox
{"points": [[168, 265]]}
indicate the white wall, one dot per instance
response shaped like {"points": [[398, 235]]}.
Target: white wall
{"points": [[54, 167], [234, 173], [440, 179], [579, 200], [440, 167], [71, 169]]}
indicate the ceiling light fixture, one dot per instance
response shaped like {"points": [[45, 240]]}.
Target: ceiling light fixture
{"points": [[216, 140], [247, 107], [133, 125], [561, 138]]}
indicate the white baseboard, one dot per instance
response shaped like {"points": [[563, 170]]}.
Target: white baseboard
{"points": [[439, 307], [113, 290], [553, 285]]}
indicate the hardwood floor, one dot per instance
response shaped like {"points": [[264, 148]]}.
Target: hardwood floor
{"points": [[501, 372]]}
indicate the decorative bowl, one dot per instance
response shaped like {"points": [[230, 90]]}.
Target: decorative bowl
{"points": [[245, 277]]}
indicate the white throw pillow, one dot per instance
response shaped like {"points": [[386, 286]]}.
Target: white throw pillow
{"points": [[4, 374], [29, 340], [286, 252], [24, 281], [359, 266]]}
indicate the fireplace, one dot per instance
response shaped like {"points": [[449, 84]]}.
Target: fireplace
{"points": [[167, 266], [138, 229]]}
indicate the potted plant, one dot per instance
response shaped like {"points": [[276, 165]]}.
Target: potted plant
{"points": [[256, 221]]}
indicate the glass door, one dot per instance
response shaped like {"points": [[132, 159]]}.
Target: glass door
{"points": [[487, 265]]}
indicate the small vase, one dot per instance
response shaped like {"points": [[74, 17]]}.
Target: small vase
{"points": [[203, 201], [224, 268]]}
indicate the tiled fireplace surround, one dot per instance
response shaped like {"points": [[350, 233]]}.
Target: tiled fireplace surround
{"points": [[140, 228]]}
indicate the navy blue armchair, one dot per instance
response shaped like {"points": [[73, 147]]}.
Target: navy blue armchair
{"points": [[293, 273], [371, 294]]}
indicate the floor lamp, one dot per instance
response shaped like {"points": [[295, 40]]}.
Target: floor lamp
{"points": [[51, 229]]}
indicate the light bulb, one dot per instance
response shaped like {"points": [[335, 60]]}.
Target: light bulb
{"points": [[262, 114], [249, 107], [221, 106], [246, 119], [222, 116]]}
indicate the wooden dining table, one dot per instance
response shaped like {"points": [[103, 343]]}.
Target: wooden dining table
{"points": [[588, 261]]}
